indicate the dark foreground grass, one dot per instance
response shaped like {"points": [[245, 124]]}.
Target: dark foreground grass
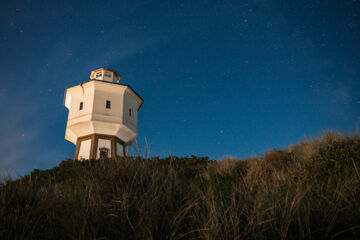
{"points": [[309, 191]]}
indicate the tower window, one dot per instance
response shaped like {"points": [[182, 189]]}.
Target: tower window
{"points": [[108, 104], [98, 74], [130, 112], [107, 74], [81, 105]]}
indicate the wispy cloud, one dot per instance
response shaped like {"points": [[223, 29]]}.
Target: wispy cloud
{"points": [[120, 49]]}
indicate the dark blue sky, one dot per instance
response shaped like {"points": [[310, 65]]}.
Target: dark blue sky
{"points": [[218, 77]]}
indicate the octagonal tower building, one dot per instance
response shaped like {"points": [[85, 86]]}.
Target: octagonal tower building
{"points": [[103, 115]]}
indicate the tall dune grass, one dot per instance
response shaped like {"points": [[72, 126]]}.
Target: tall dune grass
{"points": [[309, 191]]}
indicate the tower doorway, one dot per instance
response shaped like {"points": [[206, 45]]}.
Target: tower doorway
{"points": [[104, 153]]}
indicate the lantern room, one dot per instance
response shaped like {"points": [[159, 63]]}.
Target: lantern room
{"points": [[105, 74]]}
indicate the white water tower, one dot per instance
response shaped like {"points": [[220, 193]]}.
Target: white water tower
{"points": [[103, 115]]}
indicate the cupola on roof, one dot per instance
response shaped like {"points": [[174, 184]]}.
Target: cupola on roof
{"points": [[105, 74]]}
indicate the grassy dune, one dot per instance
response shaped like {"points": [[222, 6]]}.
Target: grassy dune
{"points": [[309, 191]]}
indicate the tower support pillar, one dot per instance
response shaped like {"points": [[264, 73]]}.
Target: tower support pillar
{"points": [[95, 146]]}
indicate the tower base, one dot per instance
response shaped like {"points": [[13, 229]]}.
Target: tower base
{"points": [[95, 146]]}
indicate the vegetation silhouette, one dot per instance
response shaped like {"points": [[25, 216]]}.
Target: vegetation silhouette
{"points": [[309, 191]]}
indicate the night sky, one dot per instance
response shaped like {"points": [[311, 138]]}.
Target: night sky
{"points": [[218, 77]]}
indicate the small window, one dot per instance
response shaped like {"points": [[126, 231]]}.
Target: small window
{"points": [[81, 105], [98, 74], [130, 112], [107, 74], [108, 104]]}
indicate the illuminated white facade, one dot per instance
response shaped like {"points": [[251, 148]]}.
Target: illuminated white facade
{"points": [[102, 115]]}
